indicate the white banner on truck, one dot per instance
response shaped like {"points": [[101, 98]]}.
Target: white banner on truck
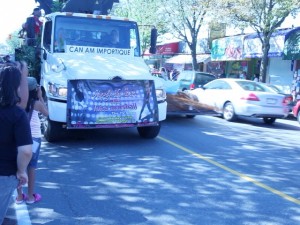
{"points": [[98, 50]]}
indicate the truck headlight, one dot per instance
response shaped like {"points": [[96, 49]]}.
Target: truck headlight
{"points": [[57, 90], [160, 95]]}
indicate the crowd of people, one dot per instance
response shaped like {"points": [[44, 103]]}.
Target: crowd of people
{"points": [[20, 140], [166, 74]]}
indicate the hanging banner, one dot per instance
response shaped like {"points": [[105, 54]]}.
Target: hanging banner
{"points": [[253, 45], [228, 48], [110, 104], [291, 49]]}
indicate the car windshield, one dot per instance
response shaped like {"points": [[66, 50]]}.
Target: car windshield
{"points": [[91, 32], [275, 89], [252, 86], [202, 78]]}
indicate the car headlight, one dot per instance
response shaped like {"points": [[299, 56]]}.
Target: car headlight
{"points": [[57, 90], [160, 95]]}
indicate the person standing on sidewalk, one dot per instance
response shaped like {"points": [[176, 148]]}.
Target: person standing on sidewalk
{"points": [[256, 77], [15, 136], [35, 106]]}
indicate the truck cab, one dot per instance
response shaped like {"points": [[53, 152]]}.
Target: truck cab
{"points": [[93, 76]]}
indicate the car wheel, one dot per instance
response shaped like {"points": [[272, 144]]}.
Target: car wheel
{"points": [[298, 117], [149, 132], [190, 116], [228, 112], [269, 120]]}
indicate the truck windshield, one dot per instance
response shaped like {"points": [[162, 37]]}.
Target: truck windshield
{"points": [[92, 32]]}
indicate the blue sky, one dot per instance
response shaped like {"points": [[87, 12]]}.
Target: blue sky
{"points": [[12, 14]]}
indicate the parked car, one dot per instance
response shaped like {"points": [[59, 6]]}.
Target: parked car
{"points": [[189, 79], [236, 97], [296, 110], [288, 97]]}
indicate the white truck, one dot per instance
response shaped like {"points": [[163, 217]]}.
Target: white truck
{"points": [[94, 80]]}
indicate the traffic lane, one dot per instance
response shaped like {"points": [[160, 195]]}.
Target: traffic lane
{"points": [[268, 153], [127, 180]]}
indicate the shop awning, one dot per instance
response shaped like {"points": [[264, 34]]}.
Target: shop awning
{"points": [[164, 49], [187, 59], [253, 45], [167, 49], [291, 50]]}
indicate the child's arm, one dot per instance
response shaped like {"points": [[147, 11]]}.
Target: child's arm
{"points": [[40, 104]]}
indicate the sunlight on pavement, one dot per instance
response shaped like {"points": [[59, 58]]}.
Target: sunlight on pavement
{"points": [[243, 176]]}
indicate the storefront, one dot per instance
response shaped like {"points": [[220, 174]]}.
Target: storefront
{"points": [[163, 52], [279, 71], [291, 52], [227, 52], [184, 62]]}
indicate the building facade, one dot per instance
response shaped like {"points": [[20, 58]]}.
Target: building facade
{"points": [[243, 53]]}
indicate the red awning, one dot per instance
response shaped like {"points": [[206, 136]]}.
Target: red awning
{"points": [[167, 49]]}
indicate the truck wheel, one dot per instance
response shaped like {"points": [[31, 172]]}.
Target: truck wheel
{"points": [[269, 120], [52, 130], [149, 132]]}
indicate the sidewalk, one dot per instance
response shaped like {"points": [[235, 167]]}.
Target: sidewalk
{"points": [[16, 214], [10, 218]]}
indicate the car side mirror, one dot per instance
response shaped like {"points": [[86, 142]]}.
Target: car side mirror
{"points": [[44, 54]]}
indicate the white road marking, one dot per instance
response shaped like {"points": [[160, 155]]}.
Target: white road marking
{"points": [[22, 214]]}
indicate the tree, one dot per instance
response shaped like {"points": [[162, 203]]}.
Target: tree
{"points": [[13, 41], [186, 17], [145, 12], [264, 16]]}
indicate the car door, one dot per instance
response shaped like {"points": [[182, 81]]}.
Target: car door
{"points": [[216, 93]]}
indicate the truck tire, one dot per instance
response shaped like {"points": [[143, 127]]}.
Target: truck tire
{"points": [[52, 130], [149, 132]]}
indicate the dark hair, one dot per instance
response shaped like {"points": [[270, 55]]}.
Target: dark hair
{"points": [[10, 80], [36, 9], [33, 96]]}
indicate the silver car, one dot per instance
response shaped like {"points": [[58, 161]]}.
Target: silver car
{"points": [[237, 97]]}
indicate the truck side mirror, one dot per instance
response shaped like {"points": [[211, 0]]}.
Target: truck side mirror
{"points": [[153, 40], [44, 54]]}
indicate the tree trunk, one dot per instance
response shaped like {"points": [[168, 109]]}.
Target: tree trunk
{"points": [[265, 58], [194, 58], [194, 54]]}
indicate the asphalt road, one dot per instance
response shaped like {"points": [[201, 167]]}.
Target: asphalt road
{"points": [[198, 171]]}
